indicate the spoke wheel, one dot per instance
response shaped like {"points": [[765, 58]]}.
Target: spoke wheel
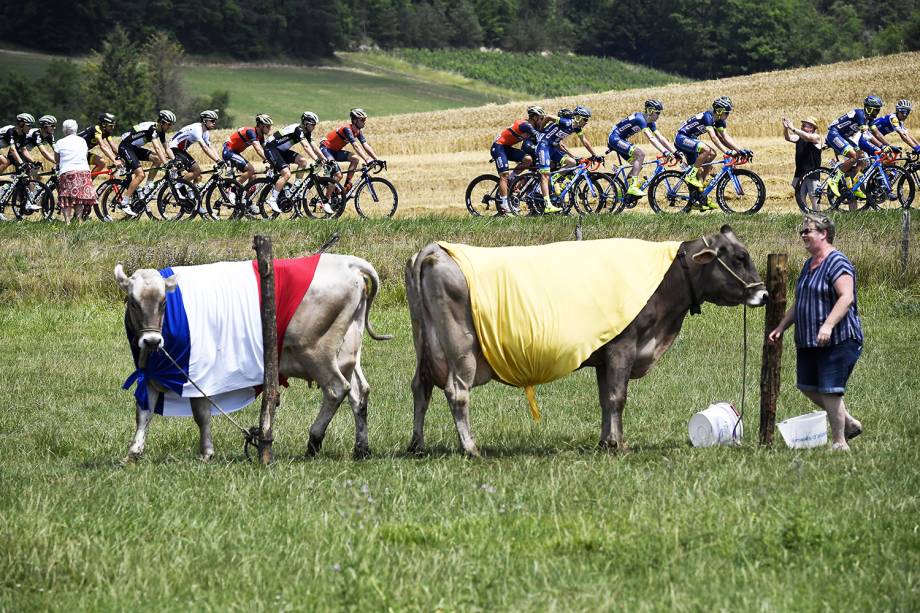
{"points": [[669, 193], [252, 194], [222, 197], [28, 199], [902, 188], [595, 195], [177, 198], [744, 194], [482, 195], [812, 193], [314, 196], [376, 198]]}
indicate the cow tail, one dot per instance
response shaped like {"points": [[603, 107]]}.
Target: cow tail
{"points": [[371, 284]]}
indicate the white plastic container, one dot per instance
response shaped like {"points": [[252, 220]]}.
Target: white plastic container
{"points": [[716, 426], [805, 431]]}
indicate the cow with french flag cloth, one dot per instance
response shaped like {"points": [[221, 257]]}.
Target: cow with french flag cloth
{"points": [[197, 330]]}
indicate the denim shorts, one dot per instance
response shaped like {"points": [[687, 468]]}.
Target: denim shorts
{"points": [[826, 369]]}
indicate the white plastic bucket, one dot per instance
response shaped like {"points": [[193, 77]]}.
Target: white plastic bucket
{"points": [[716, 426], [805, 431]]}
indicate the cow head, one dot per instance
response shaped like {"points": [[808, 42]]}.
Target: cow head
{"points": [[728, 277], [146, 293]]}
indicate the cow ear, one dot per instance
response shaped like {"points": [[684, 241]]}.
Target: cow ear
{"points": [[704, 256], [171, 283], [121, 277]]}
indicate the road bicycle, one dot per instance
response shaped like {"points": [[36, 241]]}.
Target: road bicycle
{"points": [[173, 196], [625, 200], [374, 197], [22, 197], [884, 184], [579, 186], [737, 190]]}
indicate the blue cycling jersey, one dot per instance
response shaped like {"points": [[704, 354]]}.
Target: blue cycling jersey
{"points": [[887, 123], [632, 125], [851, 123], [696, 125], [553, 133]]}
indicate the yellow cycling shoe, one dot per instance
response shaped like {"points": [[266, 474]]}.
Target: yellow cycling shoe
{"points": [[634, 189], [859, 194], [833, 184], [692, 179], [551, 208]]}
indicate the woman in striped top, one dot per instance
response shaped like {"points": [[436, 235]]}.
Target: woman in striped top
{"points": [[828, 333]]}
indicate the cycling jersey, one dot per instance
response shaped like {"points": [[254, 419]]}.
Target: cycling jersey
{"points": [[9, 137], [92, 135], [288, 136], [851, 123], [520, 130], [143, 133], [189, 135], [632, 125], [696, 126], [242, 138], [34, 138], [554, 132], [346, 135], [887, 124]]}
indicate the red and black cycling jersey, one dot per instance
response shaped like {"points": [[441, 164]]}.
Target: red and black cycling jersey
{"points": [[347, 134], [243, 138], [519, 131]]}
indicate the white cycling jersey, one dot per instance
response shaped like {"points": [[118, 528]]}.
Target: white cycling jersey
{"points": [[288, 136], [35, 138], [189, 135]]}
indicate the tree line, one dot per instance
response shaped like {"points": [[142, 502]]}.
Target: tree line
{"points": [[696, 38]]}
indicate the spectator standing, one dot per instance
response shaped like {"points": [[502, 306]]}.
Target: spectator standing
{"points": [[75, 184], [807, 149]]}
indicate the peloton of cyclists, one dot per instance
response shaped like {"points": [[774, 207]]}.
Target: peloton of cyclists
{"points": [[100, 135], [132, 151], [279, 153], [645, 122], [333, 148], [550, 149], [503, 149], [894, 122], [839, 138]]}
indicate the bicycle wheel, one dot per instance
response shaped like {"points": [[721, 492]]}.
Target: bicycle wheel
{"points": [[618, 203], [285, 204], [594, 195], [50, 210], [743, 194], [177, 198], [6, 200], [221, 198], [901, 192], [812, 194], [669, 193], [314, 196], [482, 195], [28, 198], [252, 193], [376, 198], [108, 200]]}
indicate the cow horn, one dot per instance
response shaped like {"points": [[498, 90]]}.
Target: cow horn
{"points": [[121, 277]]}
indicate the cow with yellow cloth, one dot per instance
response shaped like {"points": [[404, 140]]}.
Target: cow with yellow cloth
{"points": [[530, 315]]}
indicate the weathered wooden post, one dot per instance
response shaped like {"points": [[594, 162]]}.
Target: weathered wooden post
{"points": [[772, 353], [905, 240], [263, 247]]}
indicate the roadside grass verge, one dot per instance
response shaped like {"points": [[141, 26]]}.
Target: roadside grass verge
{"points": [[544, 521]]}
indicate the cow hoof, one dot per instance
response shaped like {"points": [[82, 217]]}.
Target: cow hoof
{"points": [[206, 457], [840, 447], [361, 453], [472, 452], [416, 447], [613, 446], [131, 458], [852, 429], [313, 446]]}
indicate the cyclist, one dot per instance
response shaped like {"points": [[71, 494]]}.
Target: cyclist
{"points": [[333, 147], [100, 135], [550, 149], [41, 136], [697, 153], [645, 122], [243, 138], [280, 154], [894, 122], [521, 131], [132, 151], [839, 135], [13, 139], [198, 132]]}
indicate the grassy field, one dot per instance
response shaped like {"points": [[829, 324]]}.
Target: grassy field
{"points": [[542, 522]]}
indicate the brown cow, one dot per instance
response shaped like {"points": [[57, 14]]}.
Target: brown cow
{"points": [[716, 268]]}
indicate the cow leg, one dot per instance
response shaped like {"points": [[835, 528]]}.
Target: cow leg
{"points": [[334, 389], [142, 420], [358, 396], [611, 387], [201, 410], [421, 397], [457, 392]]}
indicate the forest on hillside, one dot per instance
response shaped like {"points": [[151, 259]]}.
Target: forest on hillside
{"points": [[698, 38]]}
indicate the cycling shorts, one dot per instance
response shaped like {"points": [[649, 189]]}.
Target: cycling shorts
{"points": [[622, 147], [690, 147], [836, 141], [132, 155], [502, 153], [547, 156], [184, 158], [278, 159], [235, 159], [334, 155]]}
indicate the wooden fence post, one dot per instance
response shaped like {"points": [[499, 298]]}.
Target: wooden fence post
{"points": [[263, 246], [772, 353], [905, 240]]}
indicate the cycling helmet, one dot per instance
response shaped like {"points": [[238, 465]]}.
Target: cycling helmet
{"points": [[309, 117], [903, 105], [873, 104], [358, 114], [106, 118], [566, 113], [264, 120], [47, 120], [212, 115], [26, 118], [653, 105], [536, 110], [723, 103], [583, 111], [167, 116]]}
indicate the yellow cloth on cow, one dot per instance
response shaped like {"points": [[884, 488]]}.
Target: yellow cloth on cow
{"points": [[541, 311]]}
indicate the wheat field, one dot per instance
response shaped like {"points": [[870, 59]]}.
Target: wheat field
{"points": [[432, 156]]}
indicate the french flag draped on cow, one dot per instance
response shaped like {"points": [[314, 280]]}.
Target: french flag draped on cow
{"points": [[212, 328]]}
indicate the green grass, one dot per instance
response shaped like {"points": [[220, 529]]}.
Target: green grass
{"points": [[542, 522], [557, 74]]}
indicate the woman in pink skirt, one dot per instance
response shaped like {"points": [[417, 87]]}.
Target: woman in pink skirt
{"points": [[75, 184]]}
